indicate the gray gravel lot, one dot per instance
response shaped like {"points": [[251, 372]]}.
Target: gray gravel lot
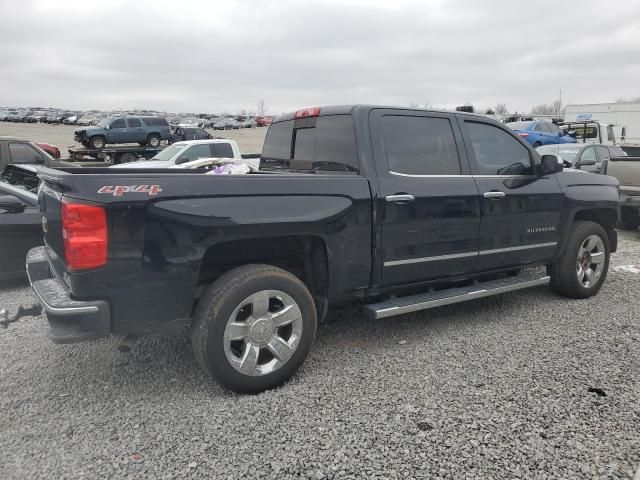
{"points": [[496, 388]]}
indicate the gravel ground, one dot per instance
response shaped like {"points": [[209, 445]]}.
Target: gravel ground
{"points": [[249, 140], [524, 385]]}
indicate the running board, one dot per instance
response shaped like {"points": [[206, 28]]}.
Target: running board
{"points": [[424, 301]]}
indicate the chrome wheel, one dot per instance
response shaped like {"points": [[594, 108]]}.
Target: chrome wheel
{"points": [[590, 261], [262, 333]]}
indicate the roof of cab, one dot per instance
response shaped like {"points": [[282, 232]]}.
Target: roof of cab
{"points": [[349, 109]]}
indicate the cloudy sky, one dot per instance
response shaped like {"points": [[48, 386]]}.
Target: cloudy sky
{"points": [[213, 56]]}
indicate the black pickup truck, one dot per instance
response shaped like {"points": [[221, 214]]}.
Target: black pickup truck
{"points": [[399, 209]]}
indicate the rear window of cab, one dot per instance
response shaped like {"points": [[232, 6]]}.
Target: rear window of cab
{"points": [[325, 143]]}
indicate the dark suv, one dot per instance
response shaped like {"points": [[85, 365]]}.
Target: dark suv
{"points": [[130, 129]]}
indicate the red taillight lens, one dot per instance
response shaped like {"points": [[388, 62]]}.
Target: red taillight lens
{"points": [[523, 134], [307, 112], [84, 230]]}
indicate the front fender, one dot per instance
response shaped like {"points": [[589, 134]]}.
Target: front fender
{"points": [[592, 197]]}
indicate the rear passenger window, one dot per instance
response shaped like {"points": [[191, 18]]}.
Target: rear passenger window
{"points": [[222, 150], [194, 153], [318, 143], [496, 152], [155, 122], [134, 122], [419, 145]]}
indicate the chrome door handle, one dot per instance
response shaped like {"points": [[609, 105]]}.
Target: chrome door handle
{"points": [[400, 198], [494, 194]]}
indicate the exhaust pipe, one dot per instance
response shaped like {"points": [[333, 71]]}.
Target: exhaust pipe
{"points": [[127, 343]]}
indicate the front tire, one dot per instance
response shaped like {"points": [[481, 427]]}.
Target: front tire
{"points": [[253, 328], [583, 267], [97, 143]]}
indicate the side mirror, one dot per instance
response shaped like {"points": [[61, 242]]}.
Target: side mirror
{"points": [[587, 162], [11, 204], [551, 164]]}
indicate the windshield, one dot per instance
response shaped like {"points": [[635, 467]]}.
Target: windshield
{"points": [[519, 125], [567, 153], [169, 152], [105, 122]]}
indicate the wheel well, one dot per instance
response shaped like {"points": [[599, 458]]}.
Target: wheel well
{"points": [[605, 217], [303, 256]]}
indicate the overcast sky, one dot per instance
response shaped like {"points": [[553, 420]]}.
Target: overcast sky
{"points": [[213, 56]]}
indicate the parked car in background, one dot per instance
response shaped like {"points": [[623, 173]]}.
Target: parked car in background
{"points": [[87, 120], [17, 150], [188, 133], [627, 171], [586, 157], [183, 152], [263, 121], [20, 221], [249, 123], [50, 149], [54, 117], [128, 129], [70, 120], [539, 133]]}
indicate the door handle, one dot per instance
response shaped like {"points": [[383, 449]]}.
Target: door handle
{"points": [[400, 198], [494, 194]]}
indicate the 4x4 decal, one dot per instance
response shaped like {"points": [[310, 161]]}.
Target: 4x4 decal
{"points": [[119, 190]]}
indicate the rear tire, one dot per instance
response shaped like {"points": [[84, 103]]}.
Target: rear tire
{"points": [[97, 143], [582, 268], [253, 328], [153, 141]]}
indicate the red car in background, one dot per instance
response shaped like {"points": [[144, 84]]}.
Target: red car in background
{"points": [[50, 149], [264, 121]]}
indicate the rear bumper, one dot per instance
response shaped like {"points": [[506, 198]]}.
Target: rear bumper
{"points": [[70, 321]]}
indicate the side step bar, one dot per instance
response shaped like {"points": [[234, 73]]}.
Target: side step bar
{"points": [[424, 301]]}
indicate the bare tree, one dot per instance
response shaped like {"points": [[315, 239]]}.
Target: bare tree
{"points": [[557, 107], [262, 108], [501, 109], [543, 109]]}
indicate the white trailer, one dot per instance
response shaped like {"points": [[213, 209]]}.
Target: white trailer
{"points": [[626, 116]]}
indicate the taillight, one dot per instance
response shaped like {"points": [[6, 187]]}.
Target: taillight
{"points": [[84, 230], [523, 134], [307, 112]]}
